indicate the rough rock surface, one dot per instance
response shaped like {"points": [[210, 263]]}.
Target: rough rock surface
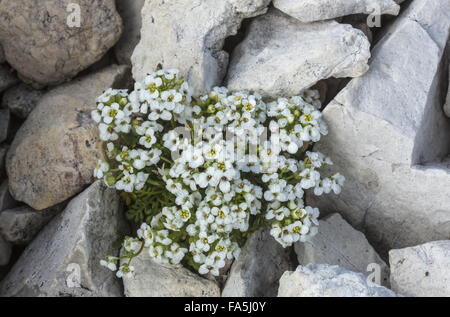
{"points": [[258, 269], [7, 78], [5, 252], [5, 117], [21, 99], [194, 33], [155, 280], [388, 134], [69, 249], [6, 201], [130, 11], [55, 151], [319, 10], [322, 280], [423, 270], [44, 46], [3, 151], [21, 224], [337, 243], [447, 103], [296, 55]]}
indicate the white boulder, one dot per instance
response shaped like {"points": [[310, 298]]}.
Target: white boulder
{"points": [[423, 270], [189, 36], [338, 243], [388, 136], [280, 56], [322, 280], [319, 10]]}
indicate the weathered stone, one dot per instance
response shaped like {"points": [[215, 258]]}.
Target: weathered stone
{"points": [[193, 36], [337, 243], [296, 55], [7, 78], [319, 10], [130, 11], [55, 151], [6, 200], [322, 280], [20, 225], [5, 117], [423, 270], [258, 269], [155, 280], [447, 103], [3, 151], [388, 134], [5, 252], [21, 99], [69, 249], [43, 43]]}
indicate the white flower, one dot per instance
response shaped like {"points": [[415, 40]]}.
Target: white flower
{"points": [[148, 139], [126, 183], [110, 263], [125, 270], [101, 169], [111, 113]]}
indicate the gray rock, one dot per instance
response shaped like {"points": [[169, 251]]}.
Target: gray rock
{"points": [[155, 280], [42, 43], [337, 243], [64, 259], [319, 10], [5, 252], [423, 270], [322, 280], [5, 117], [447, 103], [388, 135], [20, 225], [21, 99], [296, 55], [3, 150], [194, 33], [7, 78], [55, 151], [130, 11], [6, 200], [258, 269]]}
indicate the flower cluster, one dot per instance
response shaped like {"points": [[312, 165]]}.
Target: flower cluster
{"points": [[201, 174]]}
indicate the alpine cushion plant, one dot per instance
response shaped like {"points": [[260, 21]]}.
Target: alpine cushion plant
{"points": [[200, 174]]}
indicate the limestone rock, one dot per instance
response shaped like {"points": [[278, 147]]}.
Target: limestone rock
{"points": [[337, 243], [296, 55], [7, 78], [322, 280], [193, 36], [55, 151], [423, 270], [6, 200], [64, 259], [155, 280], [5, 252], [388, 135], [21, 224], [42, 42], [130, 11], [319, 10], [21, 99], [5, 117], [258, 269]]}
